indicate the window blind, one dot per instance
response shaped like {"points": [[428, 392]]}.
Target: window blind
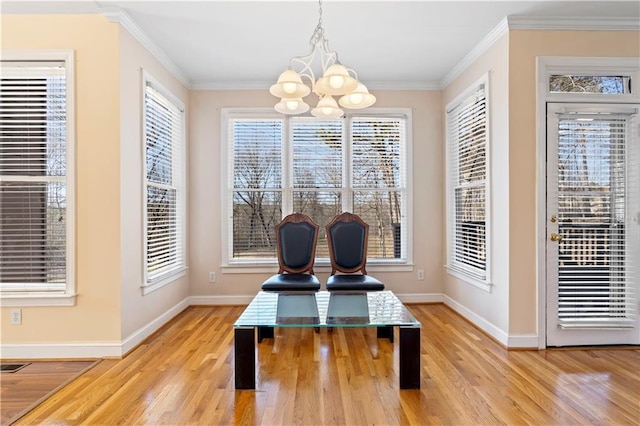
{"points": [[256, 198], [164, 129], [33, 176], [598, 253], [467, 176], [317, 172], [379, 181], [319, 167]]}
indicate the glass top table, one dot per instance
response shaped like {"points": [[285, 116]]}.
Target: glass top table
{"points": [[326, 309], [323, 309]]}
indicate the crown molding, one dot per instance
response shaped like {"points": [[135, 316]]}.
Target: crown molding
{"points": [[121, 17], [264, 85], [403, 85], [230, 85], [501, 29], [538, 23], [574, 23]]}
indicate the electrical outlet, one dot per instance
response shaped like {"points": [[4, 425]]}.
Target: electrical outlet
{"points": [[212, 277], [16, 316], [420, 274]]}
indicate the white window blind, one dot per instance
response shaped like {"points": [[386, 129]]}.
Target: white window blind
{"points": [[317, 172], [597, 201], [256, 196], [165, 183], [467, 184], [35, 191], [319, 167], [379, 181]]}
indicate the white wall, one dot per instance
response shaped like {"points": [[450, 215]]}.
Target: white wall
{"points": [[524, 47], [510, 312], [205, 205], [139, 310], [489, 309], [96, 314], [110, 308]]}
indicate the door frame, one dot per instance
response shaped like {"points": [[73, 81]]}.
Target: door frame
{"points": [[545, 66]]}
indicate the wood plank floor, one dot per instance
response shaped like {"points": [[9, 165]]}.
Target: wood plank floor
{"points": [[184, 375], [26, 387]]}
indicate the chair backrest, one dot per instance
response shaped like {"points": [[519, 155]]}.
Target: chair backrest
{"points": [[296, 238], [347, 236]]}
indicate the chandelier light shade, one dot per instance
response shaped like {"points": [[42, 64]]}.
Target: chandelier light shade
{"points": [[292, 106], [289, 85], [336, 80], [327, 108], [359, 98]]}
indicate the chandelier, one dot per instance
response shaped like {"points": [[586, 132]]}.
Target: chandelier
{"points": [[336, 80]]}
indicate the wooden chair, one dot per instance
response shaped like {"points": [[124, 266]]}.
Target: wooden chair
{"points": [[347, 236], [296, 238]]}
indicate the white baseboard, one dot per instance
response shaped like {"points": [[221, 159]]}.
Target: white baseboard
{"points": [[220, 300], [420, 297], [138, 336], [71, 350], [511, 341], [484, 325], [245, 300], [523, 341], [78, 350], [93, 350]]}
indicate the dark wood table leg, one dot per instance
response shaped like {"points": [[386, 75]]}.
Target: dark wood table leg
{"points": [[265, 333], [385, 332], [245, 357], [409, 357]]}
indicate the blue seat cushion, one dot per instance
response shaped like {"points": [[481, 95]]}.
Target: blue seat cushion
{"points": [[285, 282], [354, 282]]}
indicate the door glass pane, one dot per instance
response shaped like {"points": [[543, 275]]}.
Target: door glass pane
{"points": [[595, 284]]}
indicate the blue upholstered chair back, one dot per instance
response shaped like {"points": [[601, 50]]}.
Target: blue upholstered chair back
{"points": [[347, 236], [297, 244], [348, 244], [296, 238]]}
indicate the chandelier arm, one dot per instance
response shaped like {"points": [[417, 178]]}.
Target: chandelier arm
{"points": [[339, 80], [329, 57]]}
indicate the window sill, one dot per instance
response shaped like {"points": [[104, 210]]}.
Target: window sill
{"points": [[481, 284], [164, 280], [37, 299], [319, 267]]}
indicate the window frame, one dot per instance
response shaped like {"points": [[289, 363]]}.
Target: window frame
{"points": [[66, 297], [230, 265], [452, 266], [587, 66], [178, 269]]}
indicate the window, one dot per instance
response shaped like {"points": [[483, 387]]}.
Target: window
{"points": [[467, 184], [601, 84], [319, 167], [36, 179], [164, 208]]}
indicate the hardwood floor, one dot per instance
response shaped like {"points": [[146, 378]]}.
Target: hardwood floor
{"points": [[25, 388], [184, 375]]}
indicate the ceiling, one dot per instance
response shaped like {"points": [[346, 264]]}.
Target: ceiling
{"points": [[390, 44]]}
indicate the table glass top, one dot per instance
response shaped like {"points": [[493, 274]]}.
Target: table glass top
{"points": [[326, 309]]}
